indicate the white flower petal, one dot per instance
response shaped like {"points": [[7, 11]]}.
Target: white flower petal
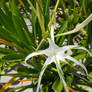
{"points": [[31, 55], [69, 47], [40, 77], [69, 52], [77, 62], [51, 44], [61, 50], [35, 54], [47, 62], [83, 48], [59, 69], [60, 72], [52, 33]]}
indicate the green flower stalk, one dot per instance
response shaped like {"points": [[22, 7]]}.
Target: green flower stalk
{"points": [[56, 54], [78, 27]]}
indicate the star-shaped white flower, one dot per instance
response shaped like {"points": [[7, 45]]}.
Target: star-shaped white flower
{"points": [[56, 54]]}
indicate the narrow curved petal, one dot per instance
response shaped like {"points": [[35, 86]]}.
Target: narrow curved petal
{"points": [[35, 54], [47, 62], [65, 48], [31, 55], [52, 33], [60, 72], [40, 77], [69, 47], [83, 48], [77, 62], [69, 52], [59, 69]]}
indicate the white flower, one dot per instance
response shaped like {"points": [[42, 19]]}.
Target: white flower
{"points": [[56, 54]]}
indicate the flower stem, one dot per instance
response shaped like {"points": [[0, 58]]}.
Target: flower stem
{"points": [[78, 27], [56, 6], [53, 18], [39, 44]]}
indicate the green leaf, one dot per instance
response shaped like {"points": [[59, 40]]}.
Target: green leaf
{"points": [[90, 74], [27, 70], [87, 88], [57, 86], [69, 80], [7, 51], [80, 56], [22, 75], [14, 56], [22, 31], [22, 88], [88, 61], [62, 30]]}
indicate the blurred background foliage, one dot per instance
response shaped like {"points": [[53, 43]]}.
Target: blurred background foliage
{"points": [[18, 40]]}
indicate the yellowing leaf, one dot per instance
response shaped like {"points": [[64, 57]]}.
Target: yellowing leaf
{"points": [[21, 2], [7, 84], [7, 42], [31, 79], [72, 90]]}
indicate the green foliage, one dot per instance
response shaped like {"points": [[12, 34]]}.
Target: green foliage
{"points": [[57, 85], [19, 41]]}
